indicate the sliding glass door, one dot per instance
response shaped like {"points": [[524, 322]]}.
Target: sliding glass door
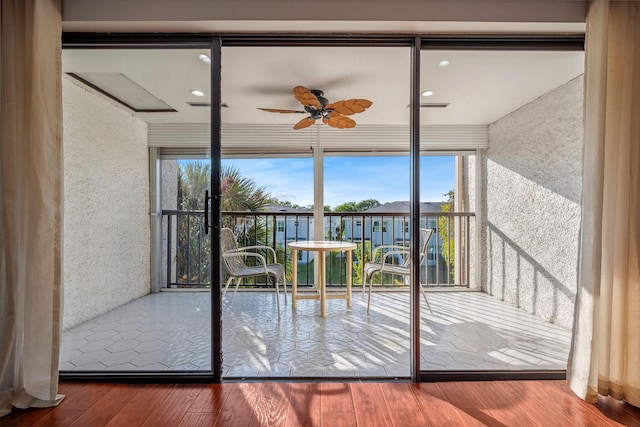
{"points": [[316, 138], [136, 268], [499, 273]]}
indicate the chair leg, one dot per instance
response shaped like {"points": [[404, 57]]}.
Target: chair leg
{"points": [[284, 284], [226, 288], [370, 288], [275, 281], [424, 294], [238, 280]]}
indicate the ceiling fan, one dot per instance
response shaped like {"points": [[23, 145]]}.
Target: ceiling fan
{"points": [[318, 107]]}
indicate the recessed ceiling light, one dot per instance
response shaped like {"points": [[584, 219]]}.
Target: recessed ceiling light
{"points": [[204, 58], [444, 63], [197, 92], [427, 93]]}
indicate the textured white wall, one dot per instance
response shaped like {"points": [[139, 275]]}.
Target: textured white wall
{"points": [[106, 206], [532, 185]]}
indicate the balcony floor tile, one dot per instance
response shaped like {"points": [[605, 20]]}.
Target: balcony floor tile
{"points": [[171, 331]]}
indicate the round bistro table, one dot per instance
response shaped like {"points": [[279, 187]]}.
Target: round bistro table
{"points": [[321, 246]]}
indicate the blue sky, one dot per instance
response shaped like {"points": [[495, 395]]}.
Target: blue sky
{"points": [[350, 179]]}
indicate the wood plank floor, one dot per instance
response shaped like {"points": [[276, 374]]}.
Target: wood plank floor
{"points": [[499, 403]]}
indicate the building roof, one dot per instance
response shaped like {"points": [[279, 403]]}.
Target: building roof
{"points": [[402, 207]]}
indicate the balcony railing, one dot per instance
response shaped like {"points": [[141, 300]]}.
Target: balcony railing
{"points": [[447, 263]]}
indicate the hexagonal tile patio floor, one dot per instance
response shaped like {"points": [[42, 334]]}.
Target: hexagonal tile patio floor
{"points": [[170, 331]]}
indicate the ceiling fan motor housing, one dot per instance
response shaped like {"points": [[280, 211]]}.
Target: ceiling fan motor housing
{"points": [[320, 95], [316, 114]]}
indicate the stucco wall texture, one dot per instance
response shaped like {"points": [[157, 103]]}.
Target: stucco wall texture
{"points": [[532, 187], [106, 206]]}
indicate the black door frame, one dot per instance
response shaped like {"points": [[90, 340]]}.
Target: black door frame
{"points": [[215, 42]]}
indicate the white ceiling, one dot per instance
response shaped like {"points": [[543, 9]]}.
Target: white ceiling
{"points": [[480, 86]]}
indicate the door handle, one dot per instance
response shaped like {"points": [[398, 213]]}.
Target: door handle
{"points": [[206, 211]]}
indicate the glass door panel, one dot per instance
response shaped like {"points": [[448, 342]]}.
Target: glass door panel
{"points": [[136, 282], [502, 296], [308, 154], [369, 201]]}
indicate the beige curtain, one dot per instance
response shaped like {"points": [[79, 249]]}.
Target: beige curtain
{"points": [[605, 357], [30, 212]]}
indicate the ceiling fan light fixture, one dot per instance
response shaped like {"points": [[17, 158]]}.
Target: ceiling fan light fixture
{"points": [[196, 92], [318, 108], [427, 93], [204, 58]]}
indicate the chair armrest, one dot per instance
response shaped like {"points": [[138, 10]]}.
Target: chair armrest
{"points": [[268, 248], [245, 254], [391, 254], [387, 248]]}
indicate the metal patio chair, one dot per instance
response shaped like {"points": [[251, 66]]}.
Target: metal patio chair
{"points": [[234, 261], [383, 262]]}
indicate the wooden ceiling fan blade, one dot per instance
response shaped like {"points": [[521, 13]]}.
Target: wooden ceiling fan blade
{"points": [[340, 122], [350, 106], [278, 110], [304, 123], [305, 97]]}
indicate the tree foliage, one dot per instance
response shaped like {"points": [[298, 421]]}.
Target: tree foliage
{"points": [[346, 207], [367, 204], [361, 256], [290, 204], [446, 232], [357, 207], [193, 180], [192, 252], [240, 193]]}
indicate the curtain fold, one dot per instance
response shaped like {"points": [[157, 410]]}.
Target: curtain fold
{"points": [[605, 355], [31, 208]]}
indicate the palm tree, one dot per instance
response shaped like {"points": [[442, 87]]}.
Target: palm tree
{"points": [[193, 182], [193, 251], [239, 193], [447, 234]]}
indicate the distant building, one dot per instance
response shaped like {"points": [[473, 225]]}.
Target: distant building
{"points": [[297, 224], [387, 224]]}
